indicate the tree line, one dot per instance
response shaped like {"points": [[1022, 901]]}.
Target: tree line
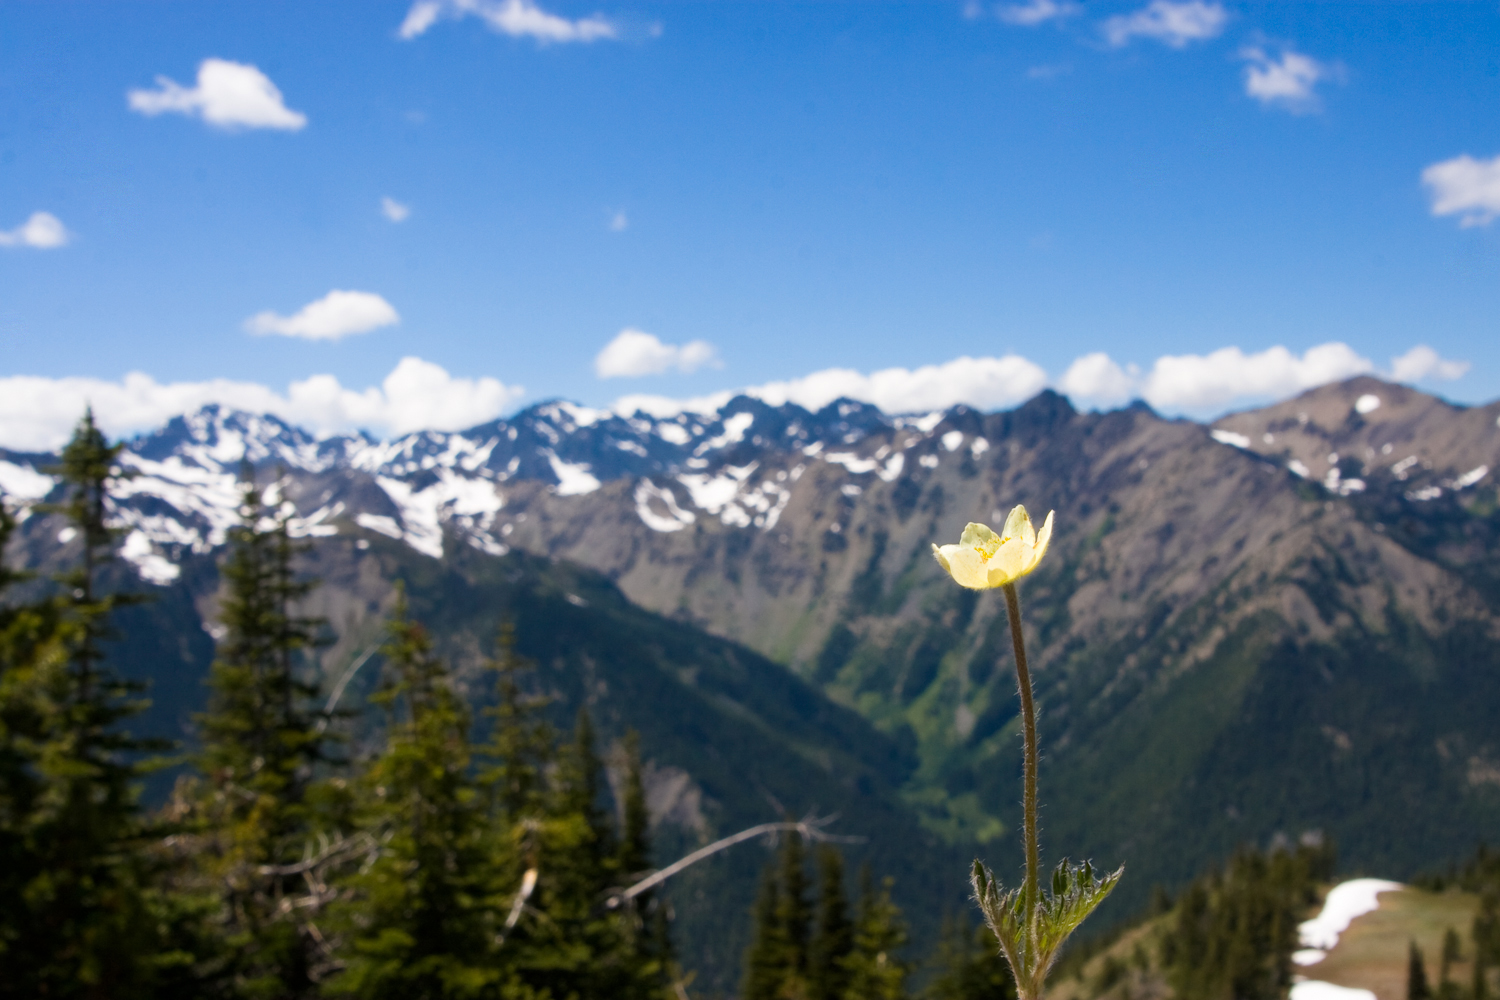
{"points": [[1229, 934]]}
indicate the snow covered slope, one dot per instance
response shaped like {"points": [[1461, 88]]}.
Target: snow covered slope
{"points": [[183, 490]]}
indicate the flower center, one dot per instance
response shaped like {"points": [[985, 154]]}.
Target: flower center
{"points": [[985, 551]]}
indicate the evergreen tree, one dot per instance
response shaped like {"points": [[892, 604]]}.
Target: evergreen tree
{"points": [[776, 965], [583, 948], [579, 791], [765, 960], [1485, 931], [833, 938], [546, 806], [1235, 930], [1452, 952], [420, 920], [968, 965], [262, 739], [791, 958], [649, 931], [1416, 975], [32, 656], [80, 918], [520, 747], [876, 970], [635, 819], [795, 915]]}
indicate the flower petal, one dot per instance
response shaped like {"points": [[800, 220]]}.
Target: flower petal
{"points": [[1009, 562], [1018, 525], [965, 565], [979, 536], [1043, 539], [942, 560]]}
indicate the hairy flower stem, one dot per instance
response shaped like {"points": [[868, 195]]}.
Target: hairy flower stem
{"points": [[1028, 720]]}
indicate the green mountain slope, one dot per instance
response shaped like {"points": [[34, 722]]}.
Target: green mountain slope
{"points": [[1226, 648]]}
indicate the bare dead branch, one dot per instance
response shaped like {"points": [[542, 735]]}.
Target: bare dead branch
{"points": [[338, 689], [809, 827], [528, 886]]}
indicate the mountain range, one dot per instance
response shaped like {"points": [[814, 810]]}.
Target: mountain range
{"points": [[1286, 620]]}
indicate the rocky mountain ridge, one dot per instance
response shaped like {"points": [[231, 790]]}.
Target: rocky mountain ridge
{"points": [[1286, 620]]}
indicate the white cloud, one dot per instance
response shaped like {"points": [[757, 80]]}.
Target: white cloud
{"points": [[1195, 384], [43, 230], [229, 95], [1422, 363], [634, 353], [1099, 380], [516, 18], [1288, 82], [394, 210], [1204, 382], [1174, 24], [619, 222], [38, 414], [337, 314], [1465, 187], [1035, 12], [987, 383]]}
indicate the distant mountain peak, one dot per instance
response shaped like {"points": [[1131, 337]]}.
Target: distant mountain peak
{"points": [[735, 465]]}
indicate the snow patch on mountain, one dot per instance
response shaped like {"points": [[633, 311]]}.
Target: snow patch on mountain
{"points": [[715, 493], [449, 497], [152, 565], [675, 518], [184, 489], [573, 478], [24, 482]]}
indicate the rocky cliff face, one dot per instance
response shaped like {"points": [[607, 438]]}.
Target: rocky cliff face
{"points": [[1286, 620]]}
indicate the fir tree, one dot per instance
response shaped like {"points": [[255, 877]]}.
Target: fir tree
{"points": [[969, 966], [520, 747], [1485, 933], [833, 938], [580, 789], [876, 970], [635, 818], [649, 931], [420, 921], [545, 805], [262, 739], [1416, 975], [776, 966], [765, 960], [1452, 952], [80, 917], [32, 658], [795, 915], [586, 949]]}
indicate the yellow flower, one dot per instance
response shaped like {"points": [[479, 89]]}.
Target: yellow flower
{"points": [[982, 559]]}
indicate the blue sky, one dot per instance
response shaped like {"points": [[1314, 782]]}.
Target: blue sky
{"points": [[789, 188]]}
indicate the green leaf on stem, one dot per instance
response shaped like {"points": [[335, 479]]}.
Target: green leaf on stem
{"points": [[1031, 934]]}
